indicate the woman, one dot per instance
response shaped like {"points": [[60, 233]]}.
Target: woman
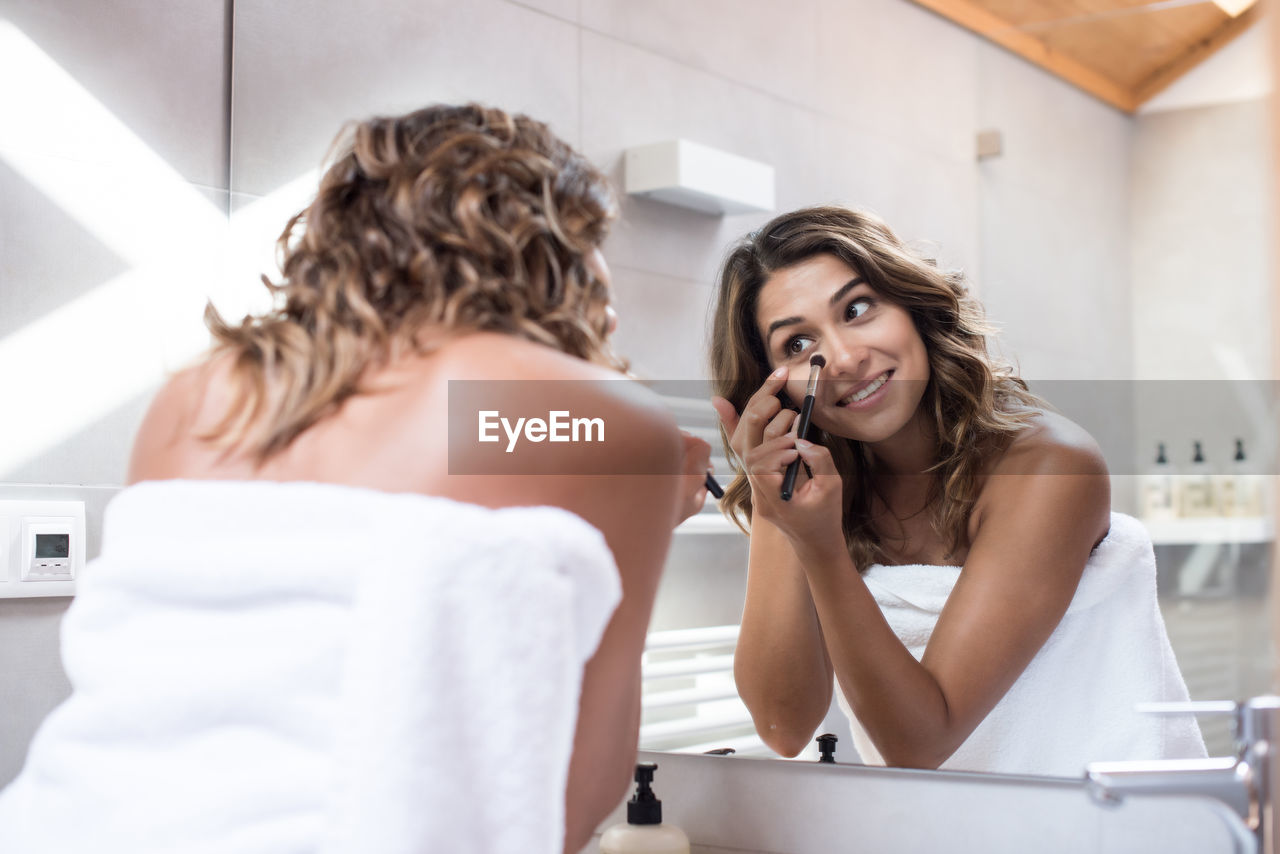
{"points": [[928, 454], [445, 250]]}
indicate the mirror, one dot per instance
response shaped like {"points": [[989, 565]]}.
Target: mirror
{"points": [[1091, 237], [1124, 256]]}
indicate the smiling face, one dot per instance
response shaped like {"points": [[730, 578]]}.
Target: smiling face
{"points": [[877, 365]]}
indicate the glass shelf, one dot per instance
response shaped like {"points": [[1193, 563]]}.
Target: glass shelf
{"points": [[708, 522], [1163, 531], [1210, 530]]}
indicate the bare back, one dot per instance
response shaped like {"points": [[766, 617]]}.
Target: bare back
{"points": [[394, 436]]}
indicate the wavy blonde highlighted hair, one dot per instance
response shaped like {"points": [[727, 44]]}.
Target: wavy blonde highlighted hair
{"points": [[977, 402], [462, 217]]}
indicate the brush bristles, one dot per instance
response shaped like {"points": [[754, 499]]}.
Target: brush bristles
{"points": [[816, 363]]}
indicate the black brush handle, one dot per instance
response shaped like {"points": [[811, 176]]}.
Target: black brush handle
{"points": [[714, 488], [802, 432]]}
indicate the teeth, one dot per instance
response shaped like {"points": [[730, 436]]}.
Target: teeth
{"points": [[864, 393]]}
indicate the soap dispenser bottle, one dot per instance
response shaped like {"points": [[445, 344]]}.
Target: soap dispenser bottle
{"points": [[1157, 490], [1197, 488], [1247, 490], [1228, 491], [644, 832]]}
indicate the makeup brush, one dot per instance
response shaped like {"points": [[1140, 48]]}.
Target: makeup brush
{"points": [[816, 364], [713, 487]]}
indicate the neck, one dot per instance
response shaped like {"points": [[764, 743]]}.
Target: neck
{"points": [[911, 450]]}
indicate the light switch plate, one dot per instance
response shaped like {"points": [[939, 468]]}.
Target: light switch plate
{"points": [[17, 516]]}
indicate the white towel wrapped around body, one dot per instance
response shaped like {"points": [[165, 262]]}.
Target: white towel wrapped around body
{"points": [[1075, 702], [273, 668]]}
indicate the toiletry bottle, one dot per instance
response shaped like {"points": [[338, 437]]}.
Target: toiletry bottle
{"points": [[1197, 488], [1157, 489], [644, 832], [1227, 487], [1247, 488]]}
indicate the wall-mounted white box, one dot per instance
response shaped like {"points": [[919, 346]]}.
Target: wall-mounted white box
{"points": [[699, 177], [42, 548]]}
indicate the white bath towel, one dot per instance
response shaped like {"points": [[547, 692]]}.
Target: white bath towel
{"points": [[274, 668], [1075, 702]]}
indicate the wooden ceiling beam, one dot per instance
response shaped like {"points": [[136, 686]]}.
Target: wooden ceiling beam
{"points": [[1194, 55], [1029, 47]]}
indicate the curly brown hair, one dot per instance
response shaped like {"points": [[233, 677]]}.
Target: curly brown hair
{"points": [[977, 402], [462, 217]]}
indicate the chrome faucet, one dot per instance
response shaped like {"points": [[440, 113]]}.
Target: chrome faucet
{"points": [[1245, 784]]}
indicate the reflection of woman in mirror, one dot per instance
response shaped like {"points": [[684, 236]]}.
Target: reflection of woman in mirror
{"points": [[937, 479], [302, 488]]}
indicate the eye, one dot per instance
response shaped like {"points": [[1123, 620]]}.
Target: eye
{"points": [[795, 345], [858, 307]]}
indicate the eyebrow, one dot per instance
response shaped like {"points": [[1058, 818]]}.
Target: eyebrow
{"points": [[835, 298]]}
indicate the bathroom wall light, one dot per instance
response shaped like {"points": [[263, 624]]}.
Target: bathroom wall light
{"points": [[684, 173]]}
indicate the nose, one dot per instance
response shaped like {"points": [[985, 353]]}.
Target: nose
{"points": [[845, 357]]}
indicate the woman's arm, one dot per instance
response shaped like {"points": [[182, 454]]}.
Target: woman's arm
{"points": [[629, 486], [636, 513], [1033, 536], [781, 665]]}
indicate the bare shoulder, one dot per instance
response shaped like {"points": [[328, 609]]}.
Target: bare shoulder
{"points": [[499, 385], [532, 380], [1051, 477], [163, 446], [1051, 444]]}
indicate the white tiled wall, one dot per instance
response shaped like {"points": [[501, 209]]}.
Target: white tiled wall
{"points": [[1201, 257], [895, 70], [745, 42], [1055, 223], [113, 169], [158, 67]]}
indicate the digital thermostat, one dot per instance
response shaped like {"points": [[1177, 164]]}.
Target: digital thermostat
{"points": [[48, 549]]}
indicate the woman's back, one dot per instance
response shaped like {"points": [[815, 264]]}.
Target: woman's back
{"points": [[396, 436]]}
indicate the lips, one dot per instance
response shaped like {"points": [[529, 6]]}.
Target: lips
{"points": [[864, 390]]}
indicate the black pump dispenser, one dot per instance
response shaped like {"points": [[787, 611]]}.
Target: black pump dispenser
{"points": [[644, 807], [1161, 459], [827, 747], [1198, 457], [1239, 450]]}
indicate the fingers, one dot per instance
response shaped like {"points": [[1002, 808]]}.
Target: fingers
{"points": [[782, 424], [700, 498], [760, 410], [770, 458], [697, 454], [823, 477], [728, 415], [697, 462], [817, 457]]}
